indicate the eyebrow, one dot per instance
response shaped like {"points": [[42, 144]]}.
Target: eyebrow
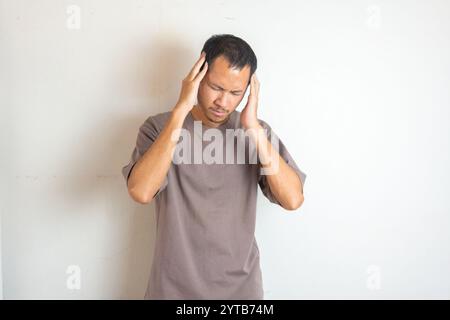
{"points": [[216, 85]]}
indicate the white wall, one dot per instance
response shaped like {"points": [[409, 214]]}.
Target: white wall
{"points": [[358, 91]]}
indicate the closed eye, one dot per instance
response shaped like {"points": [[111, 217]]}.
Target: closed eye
{"points": [[220, 89]]}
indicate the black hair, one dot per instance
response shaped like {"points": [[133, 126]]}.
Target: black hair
{"points": [[234, 49]]}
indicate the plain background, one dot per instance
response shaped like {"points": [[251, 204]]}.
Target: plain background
{"points": [[357, 90]]}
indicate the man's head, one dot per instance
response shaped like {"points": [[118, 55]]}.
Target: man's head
{"points": [[231, 63]]}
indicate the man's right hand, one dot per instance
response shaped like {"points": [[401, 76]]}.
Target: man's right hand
{"points": [[190, 85]]}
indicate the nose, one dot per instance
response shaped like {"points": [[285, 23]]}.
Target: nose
{"points": [[221, 101]]}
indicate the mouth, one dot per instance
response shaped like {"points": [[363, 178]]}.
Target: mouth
{"points": [[218, 113]]}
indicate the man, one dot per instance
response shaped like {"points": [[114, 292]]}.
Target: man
{"points": [[206, 212]]}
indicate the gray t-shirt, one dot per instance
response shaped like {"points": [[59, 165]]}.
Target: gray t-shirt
{"points": [[205, 214]]}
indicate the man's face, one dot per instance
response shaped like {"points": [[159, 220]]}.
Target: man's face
{"points": [[222, 89]]}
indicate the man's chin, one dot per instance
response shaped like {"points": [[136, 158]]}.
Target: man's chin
{"points": [[217, 119]]}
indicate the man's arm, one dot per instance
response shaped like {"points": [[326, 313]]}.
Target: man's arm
{"points": [[149, 172], [283, 181]]}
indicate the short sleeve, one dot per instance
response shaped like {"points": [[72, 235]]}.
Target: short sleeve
{"points": [[148, 132], [284, 153]]}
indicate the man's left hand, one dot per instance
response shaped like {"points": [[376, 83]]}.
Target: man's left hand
{"points": [[249, 113]]}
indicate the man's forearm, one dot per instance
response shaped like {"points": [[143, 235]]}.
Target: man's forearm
{"points": [[283, 181], [150, 170]]}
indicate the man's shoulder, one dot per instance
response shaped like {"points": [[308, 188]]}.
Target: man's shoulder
{"points": [[158, 120], [264, 124]]}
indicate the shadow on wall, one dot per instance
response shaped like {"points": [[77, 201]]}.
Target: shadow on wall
{"points": [[114, 236]]}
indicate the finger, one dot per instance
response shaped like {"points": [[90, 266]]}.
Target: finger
{"points": [[254, 90], [251, 94], [195, 69], [252, 86], [202, 73], [257, 85]]}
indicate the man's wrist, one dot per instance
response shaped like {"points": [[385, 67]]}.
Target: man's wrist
{"points": [[180, 111], [254, 126]]}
